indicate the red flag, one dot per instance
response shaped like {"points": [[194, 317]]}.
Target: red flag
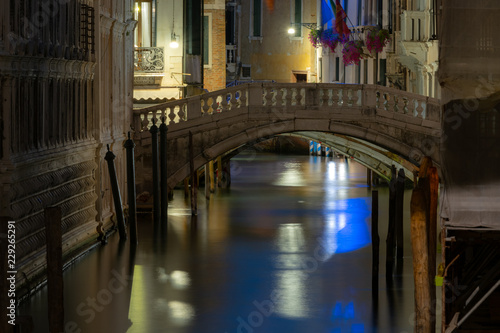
{"points": [[340, 24], [270, 5]]}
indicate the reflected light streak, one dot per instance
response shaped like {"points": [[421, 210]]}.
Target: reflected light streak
{"points": [[291, 282], [291, 176]]}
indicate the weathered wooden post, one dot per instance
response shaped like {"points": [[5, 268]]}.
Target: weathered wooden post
{"points": [[433, 205], [391, 235], [207, 182], [156, 179], [194, 199], [419, 240], [132, 210], [211, 171], [375, 244], [163, 168], [55, 282], [398, 215], [110, 157], [219, 171]]}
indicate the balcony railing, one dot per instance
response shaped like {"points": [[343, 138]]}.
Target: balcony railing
{"points": [[149, 59]]}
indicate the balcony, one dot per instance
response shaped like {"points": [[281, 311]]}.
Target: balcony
{"points": [[149, 66], [416, 37]]}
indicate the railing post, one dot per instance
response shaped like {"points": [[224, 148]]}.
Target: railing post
{"points": [[163, 168], [194, 107], [369, 96], [132, 211], [255, 93], [156, 181], [116, 194]]}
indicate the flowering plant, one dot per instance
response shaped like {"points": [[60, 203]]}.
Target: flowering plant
{"points": [[352, 52], [315, 37], [377, 39], [330, 39]]}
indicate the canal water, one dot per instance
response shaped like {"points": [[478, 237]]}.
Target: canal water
{"points": [[286, 249]]}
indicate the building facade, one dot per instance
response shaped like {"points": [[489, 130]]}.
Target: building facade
{"points": [[409, 61], [66, 84], [259, 47], [178, 49]]}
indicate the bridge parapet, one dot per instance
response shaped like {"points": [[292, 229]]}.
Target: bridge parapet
{"points": [[388, 102], [405, 125]]}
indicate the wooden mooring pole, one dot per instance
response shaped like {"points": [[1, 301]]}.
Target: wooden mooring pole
{"points": [[163, 173], [55, 285], [132, 211], [194, 189], [391, 232], [419, 240], [117, 199], [398, 215], [156, 177]]}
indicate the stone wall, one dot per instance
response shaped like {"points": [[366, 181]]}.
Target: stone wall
{"points": [[62, 103]]}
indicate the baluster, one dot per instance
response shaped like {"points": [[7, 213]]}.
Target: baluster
{"points": [[300, 96], [215, 105], [405, 105], [234, 101], [182, 112], [279, 97], [288, 96], [154, 118], [205, 107], [350, 97], [325, 97], [420, 109], [268, 98], [243, 98], [225, 105], [144, 122], [336, 97]]}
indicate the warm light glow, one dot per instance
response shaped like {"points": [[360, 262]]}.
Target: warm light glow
{"points": [[174, 44], [137, 9], [291, 30]]}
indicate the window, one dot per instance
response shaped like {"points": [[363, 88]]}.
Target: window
{"points": [[297, 16], [145, 32], [87, 28], [256, 22], [246, 71], [337, 69], [383, 66], [207, 40]]}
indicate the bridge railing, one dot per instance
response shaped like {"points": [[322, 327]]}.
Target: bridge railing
{"points": [[388, 102]]}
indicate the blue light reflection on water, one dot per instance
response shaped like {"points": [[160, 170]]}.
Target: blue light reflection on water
{"points": [[251, 242], [346, 227]]}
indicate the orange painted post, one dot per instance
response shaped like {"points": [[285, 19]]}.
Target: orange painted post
{"points": [[419, 240]]}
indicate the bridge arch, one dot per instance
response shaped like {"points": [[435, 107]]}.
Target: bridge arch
{"points": [[389, 125]]}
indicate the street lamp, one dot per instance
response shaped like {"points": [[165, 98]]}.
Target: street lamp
{"points": [[173, 41], [310, 26]]}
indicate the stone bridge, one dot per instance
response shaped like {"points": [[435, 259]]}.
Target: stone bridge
{"points": [[377, 126]]}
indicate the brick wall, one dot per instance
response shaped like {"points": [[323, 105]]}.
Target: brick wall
{"points": [[215, 74]]}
